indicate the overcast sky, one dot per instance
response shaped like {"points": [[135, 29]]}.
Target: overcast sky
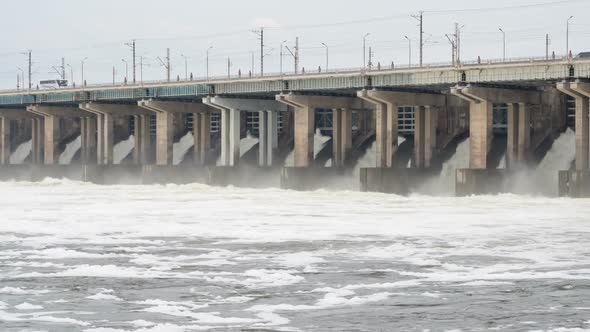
{"points": [[98, 30]]}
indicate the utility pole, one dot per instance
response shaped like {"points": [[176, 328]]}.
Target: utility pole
{"points": [[166, 64], [409, 51], [567, 38], [295, 54], [458, 41], [260, 34], [420, 18], [453, 42], [504, 43], [63, 68], [228, 67], [141, 69], [17, 81], [365, 50], [370, 58], [83, 83], [185, 66], [132, 45], [327, 55], [547, 42], [30, 70], [114, 74]]}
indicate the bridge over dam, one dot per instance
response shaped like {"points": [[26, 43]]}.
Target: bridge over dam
{"points": [[308, 131]]}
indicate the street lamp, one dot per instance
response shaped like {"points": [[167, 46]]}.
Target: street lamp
{"points": [[409, 52], [567, 37], [365, 49], [327, 55], [82, 65], [23, 76], [185, 66], [504, 41], [126, 69], [281, 63], [209, 49]]}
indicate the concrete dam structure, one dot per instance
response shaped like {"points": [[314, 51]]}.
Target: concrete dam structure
{"points": [[341, 129]]}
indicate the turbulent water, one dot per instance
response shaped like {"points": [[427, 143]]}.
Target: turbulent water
{"points": [[181, 148], [21, 153], [65, 158], [81, 257], [122, 149]]}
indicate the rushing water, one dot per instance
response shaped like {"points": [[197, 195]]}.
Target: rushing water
{"points": [[65, 158], [81, 257], [21, 153]]}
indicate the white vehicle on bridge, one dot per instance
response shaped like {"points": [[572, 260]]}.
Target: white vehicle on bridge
{"points": [[53, 84]]}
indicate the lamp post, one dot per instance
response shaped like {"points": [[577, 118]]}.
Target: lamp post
{"points": [[327, 55], [281, 62], [23, 76], [409, 51], [185, 66], [365, 49], [567, 37], [126, 69], [82, 67], [504, 43], [209, 49]]}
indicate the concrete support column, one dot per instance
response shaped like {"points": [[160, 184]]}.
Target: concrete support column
{"points": [[346, 134], [381, 135], [37, 140], [513, 136], [337, 145], [90, 140], [480, 130], [263, 139], [108, 138], [582, 134], [304, 136], [230, 137], [524, 132], [202, 134], [164, 138], [273, 135], [5, 141], [137, 139], [430, 142], [83, 145], [424, 136], [145, 139], [51, 140]]}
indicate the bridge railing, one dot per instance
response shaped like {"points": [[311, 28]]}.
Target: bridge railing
{"points": [[304, 73]]}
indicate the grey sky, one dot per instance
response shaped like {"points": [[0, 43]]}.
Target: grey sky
{"points": [[98, 30]]}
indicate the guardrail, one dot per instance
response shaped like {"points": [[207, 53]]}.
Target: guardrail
{"points": [[304, 73]]}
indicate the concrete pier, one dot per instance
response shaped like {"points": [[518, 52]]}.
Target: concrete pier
{"points": [[59, 122], [230, 109], [167, 125], [112, 122], [305, 106], [581, 93], [386, 106]]}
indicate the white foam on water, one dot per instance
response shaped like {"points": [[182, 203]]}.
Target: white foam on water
{"points": [[247, 143], [39, 317], [21, 153], [65, 158], [543, 179], [180, 149], [444, 184], [122, 149], [319, 142], [104, 295], [28, 306], [21, 291], [165, 327]]}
